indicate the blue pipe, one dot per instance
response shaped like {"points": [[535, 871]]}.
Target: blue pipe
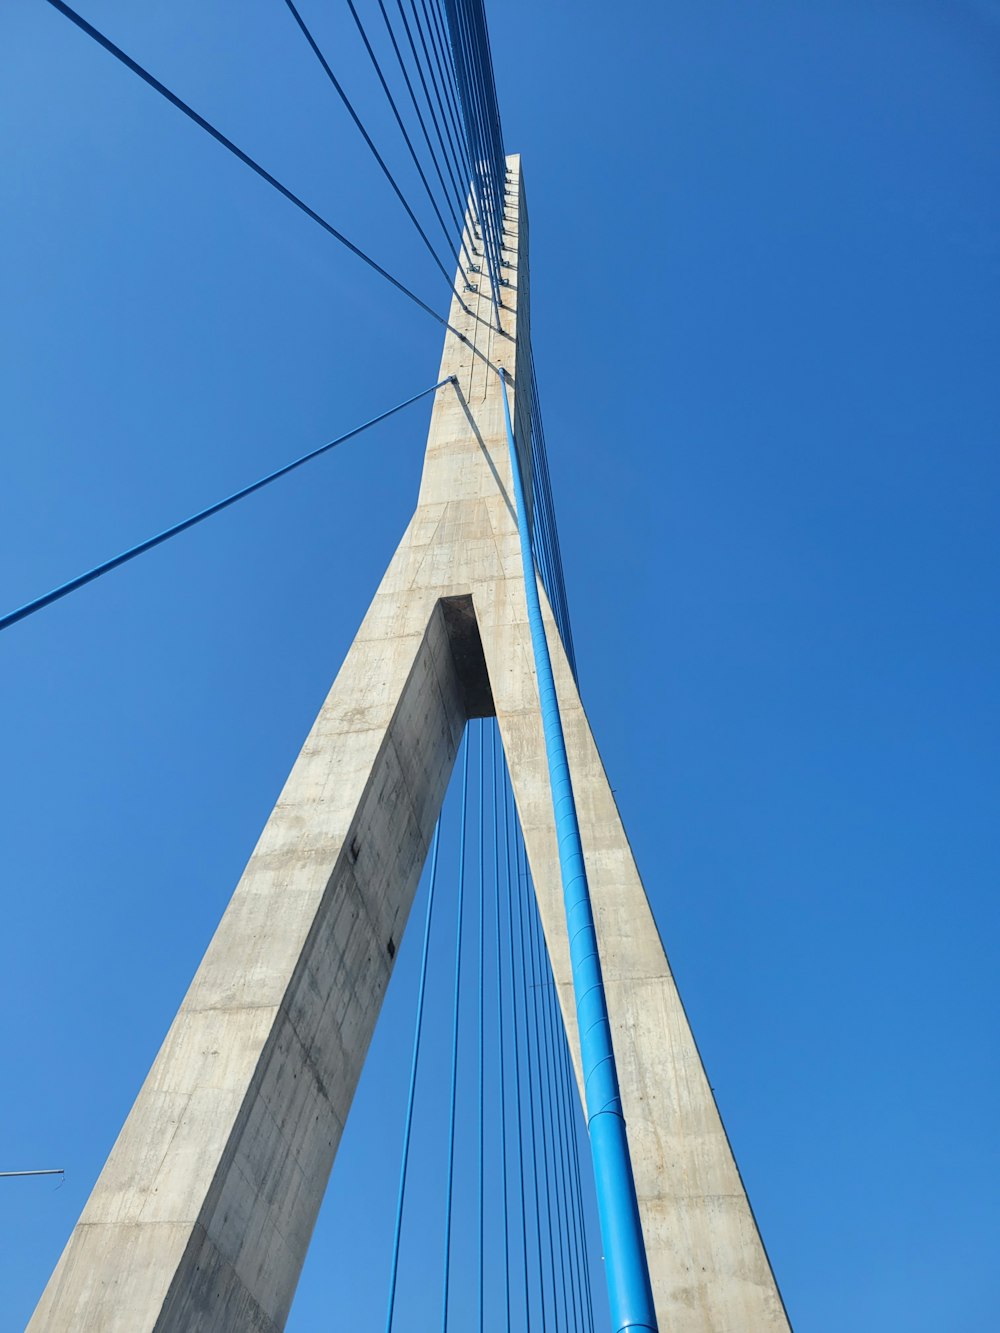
{"points": [[630, 1295]]}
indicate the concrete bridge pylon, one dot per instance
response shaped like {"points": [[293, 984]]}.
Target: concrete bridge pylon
{"points": [[202, 1215]]}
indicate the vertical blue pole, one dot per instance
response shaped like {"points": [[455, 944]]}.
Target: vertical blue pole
{"points": [[630, 1295]]}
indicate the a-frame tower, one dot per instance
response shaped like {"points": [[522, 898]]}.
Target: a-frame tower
{"points": [[202, 1215]]}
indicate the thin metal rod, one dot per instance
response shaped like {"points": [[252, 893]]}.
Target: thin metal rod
{"points": [[409, 143], [551, 1115], [418, 1024], [83, 579], [53, 1171], [518, 1100], [338, 88], [528, 1065], [569, 1083], [460, 909], [566, 1110], [456, 192], [536, 1078], [247, 160], [554, 1028]]}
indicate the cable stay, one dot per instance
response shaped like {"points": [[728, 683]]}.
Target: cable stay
{"points": [[108, 565], [495, 1126], [256, 167], [473, 69], [443, 75], [339, 89], [434, 104], [472, 268], [457, 192]]}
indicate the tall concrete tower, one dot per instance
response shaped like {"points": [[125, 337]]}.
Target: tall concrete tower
{"points": [[202, 1215]]}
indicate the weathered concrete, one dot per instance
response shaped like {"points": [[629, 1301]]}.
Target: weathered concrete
{"points": [[202, 1215]]}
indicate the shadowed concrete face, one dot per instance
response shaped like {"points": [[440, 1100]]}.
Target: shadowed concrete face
{"points": [[203, 1213]]}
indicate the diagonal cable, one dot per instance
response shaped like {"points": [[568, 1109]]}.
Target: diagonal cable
{"points": [[456, 156], [339, 89], [254, 166], [409, 143], [83, 579], [456, 190]]}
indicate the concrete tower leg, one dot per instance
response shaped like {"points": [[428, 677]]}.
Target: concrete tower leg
{"points": [[202, 1215]]}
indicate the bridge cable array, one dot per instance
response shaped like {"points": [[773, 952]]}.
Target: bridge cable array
{"points": [[525, 1116], [630, 1292], [503, 1129], [254, 166], [339, 88], [460, 99]]}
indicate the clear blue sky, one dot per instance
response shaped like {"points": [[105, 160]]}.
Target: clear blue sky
{"points": [[765, 282]]}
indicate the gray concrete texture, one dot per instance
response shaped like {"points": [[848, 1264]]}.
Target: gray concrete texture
{"points": [[202, 1215]]}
